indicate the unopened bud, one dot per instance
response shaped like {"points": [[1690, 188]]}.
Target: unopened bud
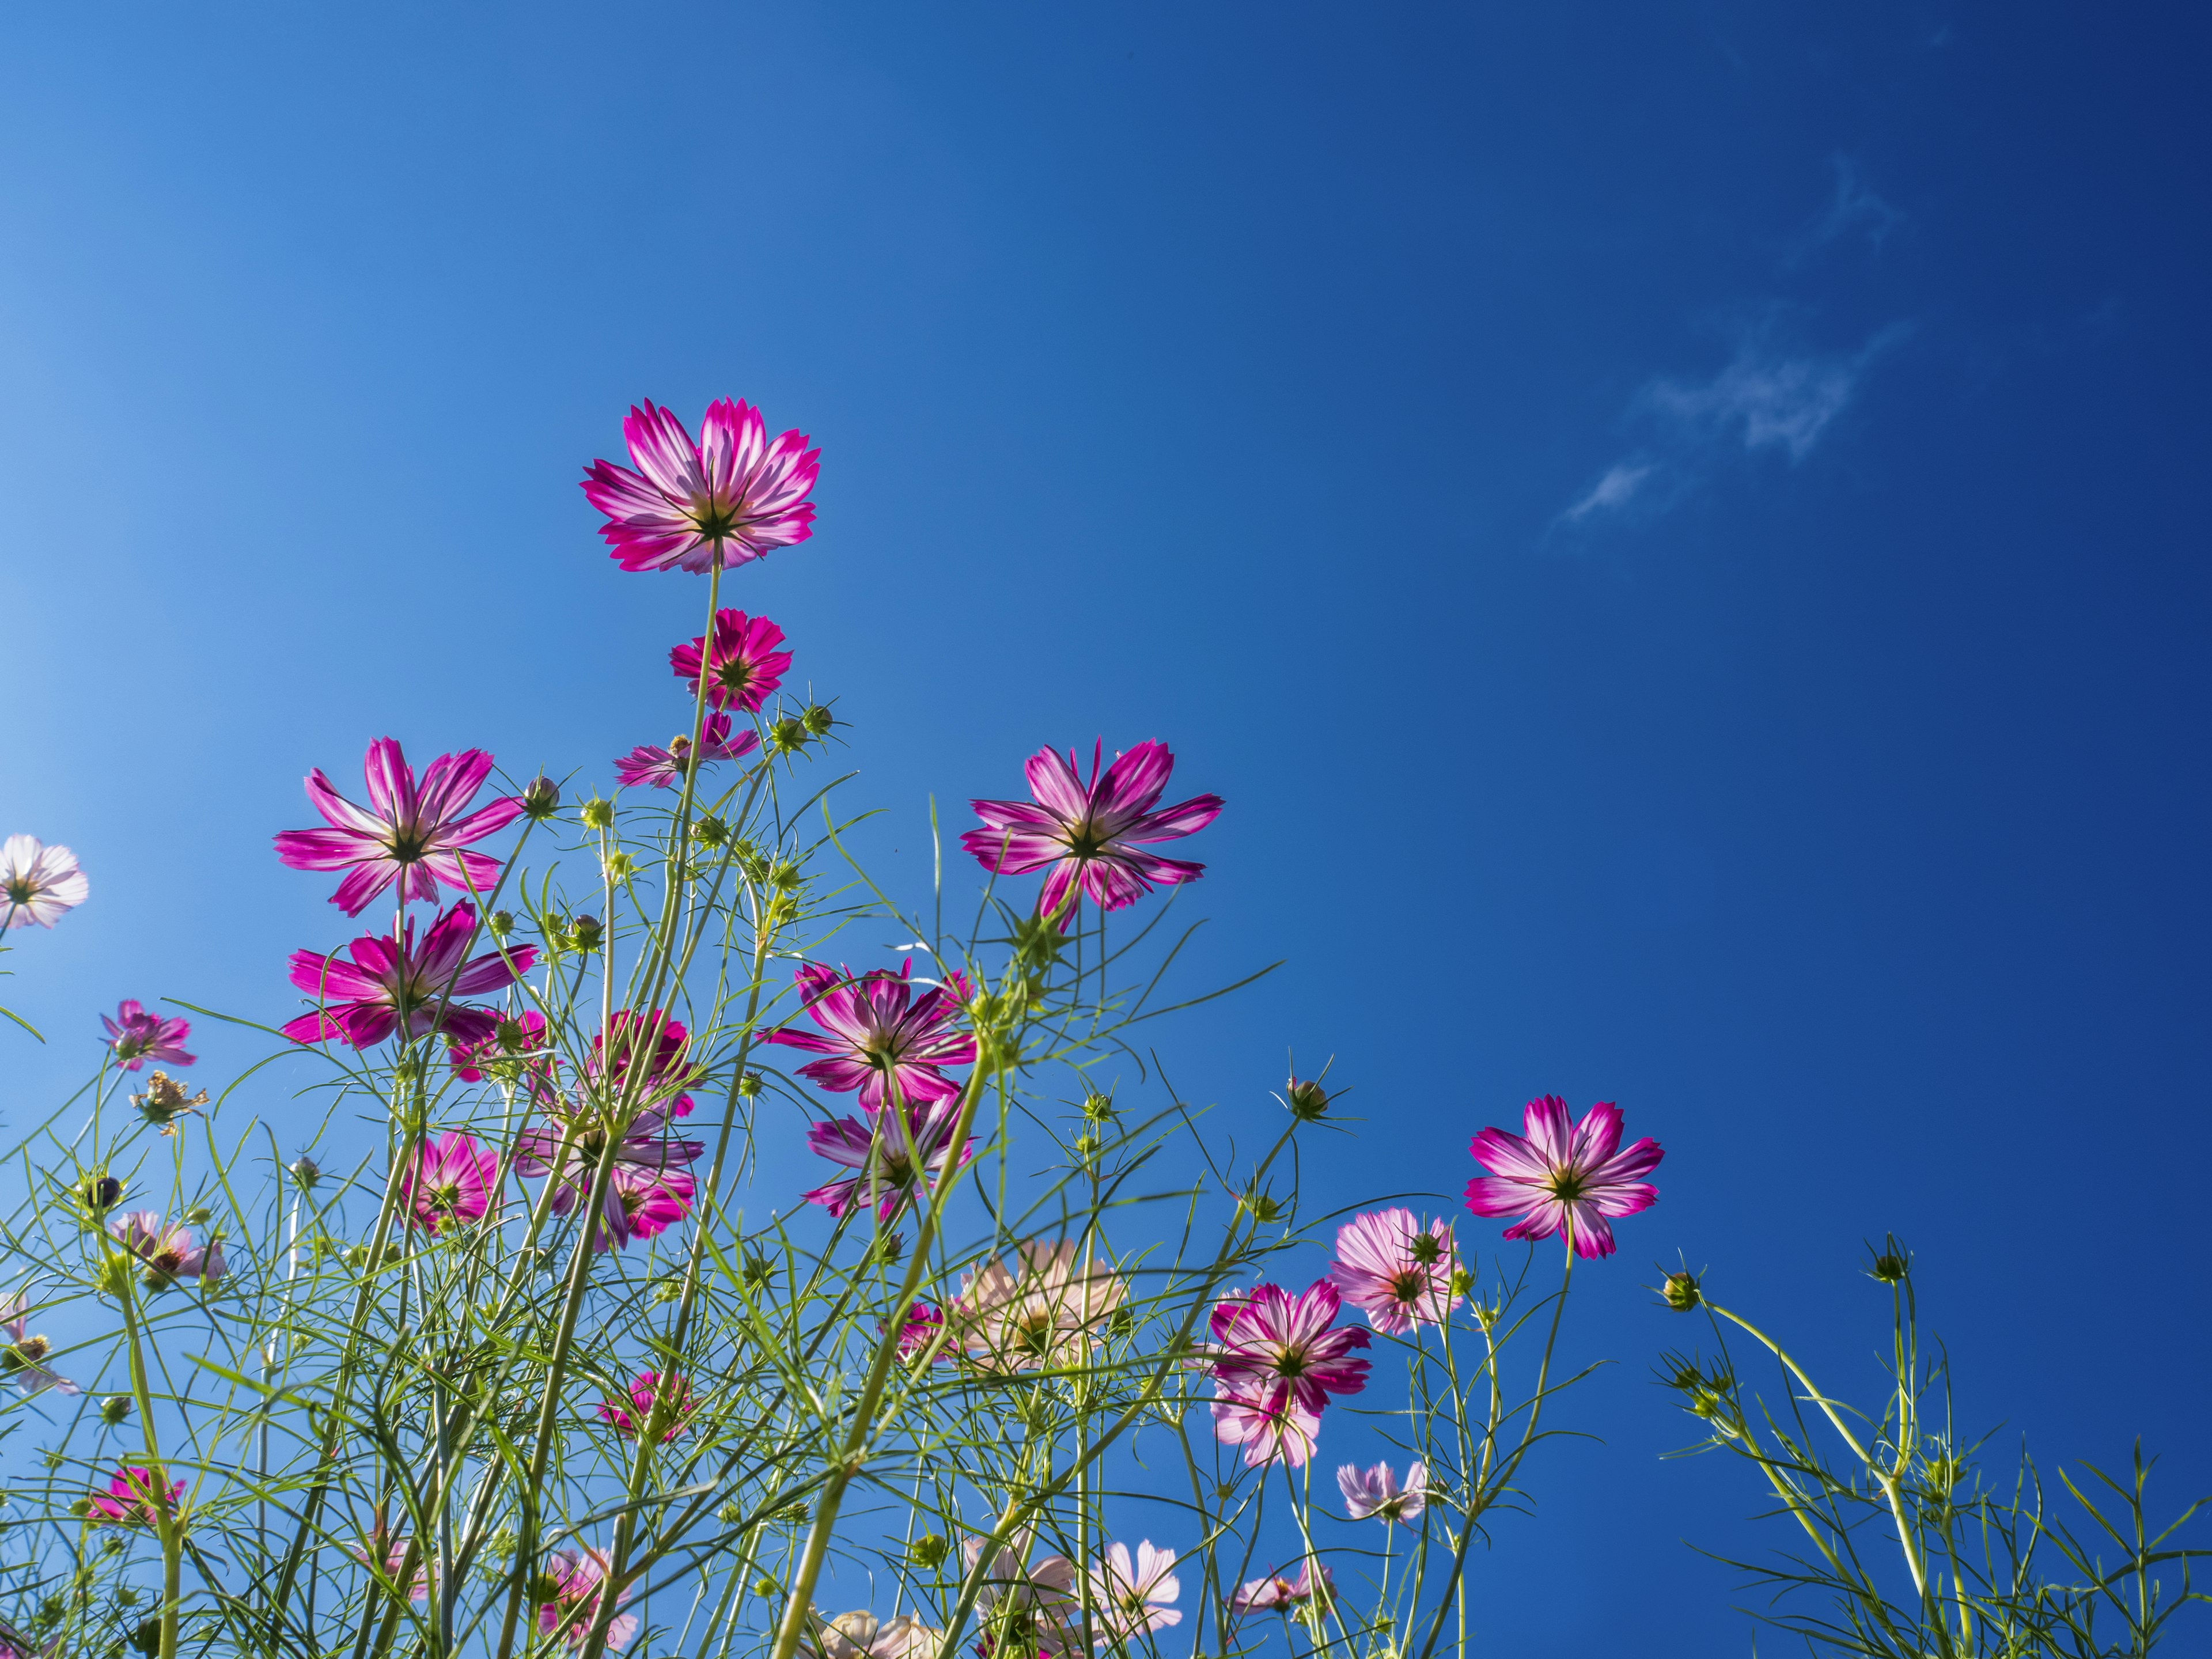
{"points": [[501, 923], [1681, 1292], [621, 866], [598, 813], [711, 832], [1307, 1101], [767, 1588], [1428, 1248], [929, 1550], [787, 736], [1462, 1282], [544, 1587], [1097, 1108], [749, 1084], [1264, 1209], [1087, 1148], [541, 799], [101, 1192], [198, 1215], [114, 1408], [818, 720], [1891, 1263], [785, 875], [585, 933]]}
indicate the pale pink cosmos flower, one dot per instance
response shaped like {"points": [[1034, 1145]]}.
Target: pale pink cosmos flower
{"points": [[743, 663], [1130, 1599], [728, 498], [392, 1552], [1375, 1491], [578, 1577], [664, 768], [656, 1405], [1277, 1593], [38, 883], [168, 1252], [1396, 1269], [1035, 1606], [890, 1165], [138, 1036], [411, 833], [1045, 1315], [861, 1635], [454, 1180], [1090, 833], [1278, 1359], [394, 985], [133, 1498], [1564, 1177], [23, 1360], [879, 1037]]}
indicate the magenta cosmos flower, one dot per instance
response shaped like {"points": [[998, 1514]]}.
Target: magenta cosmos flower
{"points": [[890, 1165], [1565, 1175], [1396, 1270], [521, 1044], [133, 1498], [742, 665], [1130, 1598], [1375, 1491], [877, 1037], [38, 883], [578, 1577], [1089, 833], [664, 768], [411, 833], [395, 985], [168, 1252], [138, 1036], [1278, 1359], [923, 1323], [656, 1405], [452, 1181], [730, 497]]}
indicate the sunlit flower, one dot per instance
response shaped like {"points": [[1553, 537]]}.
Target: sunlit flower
{"points": [[1090, 833], [860, 1636], [138, 1036], [657, 1406], [1564, 1177], [876, 1034], [1047, 1314], [1396, 1269], [920, 1328], [664, 768], [578, 1577], [730, 497], [1277, 1593], [515, 1045], [133, 1498], [454, 1180], [641, 1204], [23, 1360], [411, 833], [390, 1553], [892, 1164], [743, 663], [1035, 1606], [1376, 1491], [1130, 1600], [165, 1100], [650, 1191], [1278, 1359], [391, 985], [168, 1252], [38, 883]]}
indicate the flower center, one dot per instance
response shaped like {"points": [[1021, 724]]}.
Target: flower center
{"points": [[714, 518], [733, 673], [1406, 1286], [1085, 840], [21, 889], [1568, 1184]]}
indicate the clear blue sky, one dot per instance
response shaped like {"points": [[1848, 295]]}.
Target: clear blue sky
{"points": [[1677, 530]]}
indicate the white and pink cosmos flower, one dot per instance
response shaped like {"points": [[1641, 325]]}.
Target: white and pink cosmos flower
{"points": [[409, 833], [1396, 1269], [23, 1360], [454, 1180], [393, 985], [1091, 834], [890, 1165], [1279, 1359], [731, 497], [878, 1037], [664, 768], [168, 1252], [136, 1037], [1375, 1491], [38, 883], [1565, 1176], [1130, 1598], [1277, 1593], [579, 1577], [743, 663]]}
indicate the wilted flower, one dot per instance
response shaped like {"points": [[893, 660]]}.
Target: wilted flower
{"points": [[392, 984], [23, 1360], [731, 497], [660, 1406], [38, 883], [743, 663], [1396, 1269], [138, 1036], [575, 1578], [168, 1252], [409, 834], [859, 1636], [890, 1163], [1376, 1491], [1129, 1600], [1276, 1594], [454, 1180], [165, 1101], [133, 1498], [1089, 833], [1278, 1359], [877, 1036], [664, 768], [1565, 1176], [1045, 1315]]}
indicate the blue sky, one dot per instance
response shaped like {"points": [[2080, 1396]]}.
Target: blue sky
{"points": [[1677, 531]]}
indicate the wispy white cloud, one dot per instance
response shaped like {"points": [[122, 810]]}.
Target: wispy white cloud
{"points": [[1853, 207], [1616, 490]]}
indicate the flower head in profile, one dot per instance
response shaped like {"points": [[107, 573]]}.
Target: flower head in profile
{"points": [[454, 1180], [168, 1252], [1279, 1593], [893, 1156], [23, 1361], [876, 1036], [861, 1635], [743, 663], [1091, 834], [133, 1498], [38, 883], [1278, 1359], [728, 498], [1044, 1314], [1375, 1491], [664, 768], [1130, 1598], [136, 1037], [409, 833], [657, 1406], [576, 1579], [1396, 1269], [1564, 1177], [393, 985], [920, 1328]]}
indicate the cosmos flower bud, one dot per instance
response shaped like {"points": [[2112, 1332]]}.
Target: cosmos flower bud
{"points": [[1307, 1101], [621, 866], [306, 1170], [928, 1551], [114, 1409], [787, 736], [1086, 1148], [101, 1192], [1427, 1248], [711, 832], [544, 1588], [199, 1215], [818, 720], [1891, 1263], [541, 799], [114, 1277], [598, 813], [749, 1084], [785, 875], [1681, 1291], [501, 923], [1097, 1108], [1264, 1209], [585, 934]]}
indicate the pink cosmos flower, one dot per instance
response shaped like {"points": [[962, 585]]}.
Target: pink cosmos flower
{"points": [[453, 1181], [1045, 1313], [1089, 833], [392, 1552], [1035, 1606], [649, 1192], [662, 1407], [890, 1165], [876, 1039], [524, 1041], [1564, 1177], [133, 1498], [664, 768], [138, 1036], [38, 883], [578, 1577], [1276, 1594], [920, 1327], [641, 1204], [861, 1635], [168, 1252], [652, 1040], [23, 1359], [410, 834], [1131, 1600], [1376, 1491], [392, 984], [1396, 1270], [730, 497], [743, 663], [1278, 1361]]}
